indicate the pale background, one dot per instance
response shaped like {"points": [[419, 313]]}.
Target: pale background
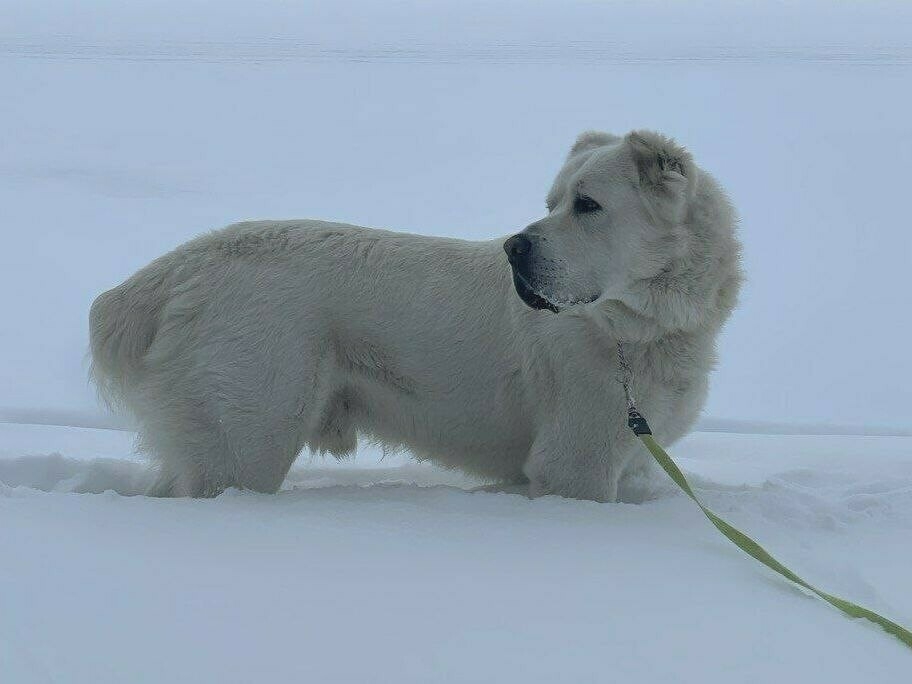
{"points": [[127, 130]]}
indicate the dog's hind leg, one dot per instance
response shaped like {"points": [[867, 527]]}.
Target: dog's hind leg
{"points": [[189, 449], [247, 451], [262, 450]]}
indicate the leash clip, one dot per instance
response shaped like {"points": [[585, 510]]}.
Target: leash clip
{"points": [[637, 423], [635, 419]]}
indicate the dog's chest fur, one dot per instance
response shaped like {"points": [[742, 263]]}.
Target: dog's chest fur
{"points": [[670, 380]]}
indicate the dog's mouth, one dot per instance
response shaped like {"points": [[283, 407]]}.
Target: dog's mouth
{"points": [[535, 299], [528, 294]]}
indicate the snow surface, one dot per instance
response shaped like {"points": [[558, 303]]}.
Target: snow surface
{"points": [[384, 570]]}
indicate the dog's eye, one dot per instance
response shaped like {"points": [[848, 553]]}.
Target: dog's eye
{"points": [[585, 205]]}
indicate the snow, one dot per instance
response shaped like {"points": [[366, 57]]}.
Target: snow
{"points": [[379, 569]]}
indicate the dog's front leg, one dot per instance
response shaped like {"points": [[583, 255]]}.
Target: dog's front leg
{"points": [[581, 443], [578, 459]]}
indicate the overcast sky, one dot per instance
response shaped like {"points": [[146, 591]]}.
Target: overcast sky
{"points": [[127, 130]]}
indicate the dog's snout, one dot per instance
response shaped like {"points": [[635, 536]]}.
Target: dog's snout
{"points": [[517, 246]]}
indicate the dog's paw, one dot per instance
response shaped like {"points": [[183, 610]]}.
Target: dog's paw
{"points": [[538, 488], [588, 491]]}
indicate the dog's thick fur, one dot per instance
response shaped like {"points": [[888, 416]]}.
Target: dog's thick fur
{"points": [[247, 344]]}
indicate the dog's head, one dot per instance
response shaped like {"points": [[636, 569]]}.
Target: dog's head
{"points": [[623, 212]]}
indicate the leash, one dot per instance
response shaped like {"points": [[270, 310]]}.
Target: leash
{"points": [[637, 423]]}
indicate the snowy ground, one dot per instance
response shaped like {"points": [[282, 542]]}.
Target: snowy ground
{"points": [[382, 570]]}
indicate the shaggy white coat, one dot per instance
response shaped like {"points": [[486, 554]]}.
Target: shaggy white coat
{"points": [[240, 348]]}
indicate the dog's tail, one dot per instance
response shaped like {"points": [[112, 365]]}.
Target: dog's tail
{"points": [[122, 324]]}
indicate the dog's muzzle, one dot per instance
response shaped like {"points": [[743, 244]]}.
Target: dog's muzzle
{"points": [[519, 254]]}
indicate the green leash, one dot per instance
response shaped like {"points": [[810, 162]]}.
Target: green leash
{"points": [[637, 423]]}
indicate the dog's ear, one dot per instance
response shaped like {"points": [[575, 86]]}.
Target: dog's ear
{"points": [[662, 164], [589, 140]]}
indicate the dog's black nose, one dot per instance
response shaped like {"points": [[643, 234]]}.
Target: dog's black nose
{"points": [[517, 246]]}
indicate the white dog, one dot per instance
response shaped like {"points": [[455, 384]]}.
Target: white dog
{"points": [[243, 346]]}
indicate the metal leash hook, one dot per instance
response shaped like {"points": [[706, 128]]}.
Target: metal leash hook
{"points": [[635, 419]]}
